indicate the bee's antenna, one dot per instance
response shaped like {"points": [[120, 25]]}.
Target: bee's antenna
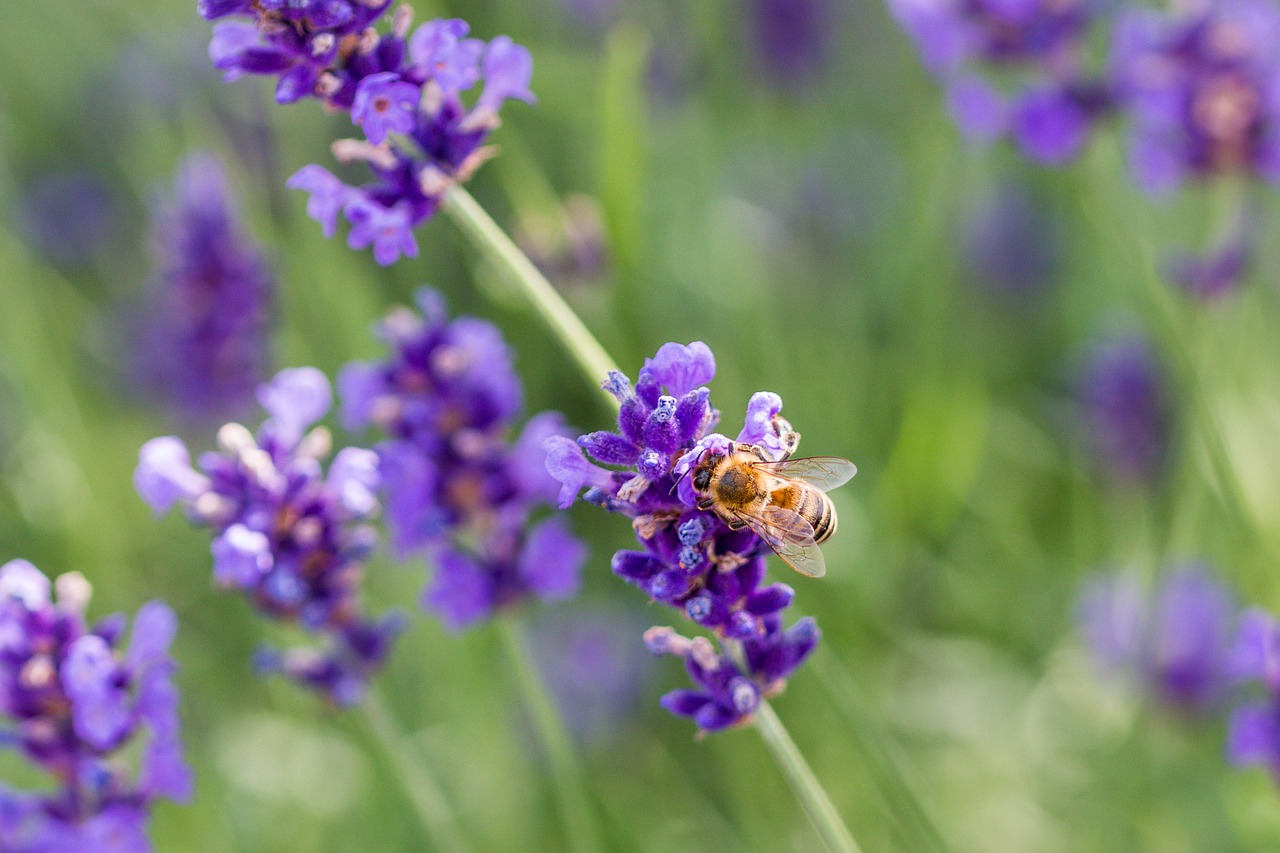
{"points": [[689, 470]]}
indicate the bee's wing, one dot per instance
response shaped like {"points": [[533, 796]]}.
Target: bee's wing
{"points": [[790, 537], [825, 472]]}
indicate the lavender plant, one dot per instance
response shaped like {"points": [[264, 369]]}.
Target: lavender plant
{"points": [[201, 348], [1175, 641], [404, 90], [1125, 408], [76, 704], [692, 560], [1051, 99], [457, 486], [289, 535]]}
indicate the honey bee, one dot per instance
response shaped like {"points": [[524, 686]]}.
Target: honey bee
{"points": [[783, 501]]}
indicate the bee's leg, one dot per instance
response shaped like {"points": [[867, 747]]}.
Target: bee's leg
{"points": [[735, 523]]}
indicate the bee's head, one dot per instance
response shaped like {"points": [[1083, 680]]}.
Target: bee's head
{"points": [[702, 477]]}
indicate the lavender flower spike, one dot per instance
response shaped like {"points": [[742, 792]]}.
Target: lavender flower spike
{"points": [[1214, 105], [1176, 641], [1124, 408], [287, 534], [75, 702], [458, 486], [690, 559], [403, 90], [202, 346]]}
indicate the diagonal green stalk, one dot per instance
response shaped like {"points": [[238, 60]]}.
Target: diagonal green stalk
{"points": [[490, 240], [808, 790], [424, 792], [575, 810]]}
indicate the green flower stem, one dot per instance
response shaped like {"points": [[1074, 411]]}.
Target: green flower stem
{"points": [[490, 240], [879, 753], [575, 810], [423, 791], [808, 790]]}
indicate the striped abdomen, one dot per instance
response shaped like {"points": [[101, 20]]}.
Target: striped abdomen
{"points": [[812, 505]]}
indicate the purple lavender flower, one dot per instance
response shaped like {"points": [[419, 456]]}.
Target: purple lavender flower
{"points": [[792, 38], [292, 537], [75, 702], [691, 560], [1176, 642], [1216, 275], [457, 486], [1202, 87], [403, 90], [1125, 410], [1039, 45], [1254, 730], [203, 343]]}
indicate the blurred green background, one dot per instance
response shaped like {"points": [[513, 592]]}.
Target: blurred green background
{"points": [[814, 234]]}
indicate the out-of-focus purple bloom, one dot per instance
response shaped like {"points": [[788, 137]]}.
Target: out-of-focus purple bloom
{"points": [[594, 670], [456, 485], [1035, 47], [76, 702], [1213, 276], [792, 38], [692, 561], [67, 215], [287, 534], [1124, 407], [1202, 88], [404, 90], [1254, 730], [1176, 640], [1010, 245], [202, 347]]}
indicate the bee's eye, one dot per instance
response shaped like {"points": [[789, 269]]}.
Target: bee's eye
{"points": [[702, 479]]}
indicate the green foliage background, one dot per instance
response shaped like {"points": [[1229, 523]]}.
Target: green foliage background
{"points": [[950, 666]]}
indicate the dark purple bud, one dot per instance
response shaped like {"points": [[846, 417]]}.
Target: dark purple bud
{"points": [[609, 448]]}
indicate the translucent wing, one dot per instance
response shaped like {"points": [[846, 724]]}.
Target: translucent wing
{"points": [[825, 472], [790, 537]]}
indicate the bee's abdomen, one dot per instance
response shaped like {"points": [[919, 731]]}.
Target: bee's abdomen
{"points": [[817, 509]]}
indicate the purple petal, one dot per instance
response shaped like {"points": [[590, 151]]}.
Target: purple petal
{"points": [[355, 477], [681, 368], [164, 474], [295, 399], [551, 561], [461, 592], [241, 557]]}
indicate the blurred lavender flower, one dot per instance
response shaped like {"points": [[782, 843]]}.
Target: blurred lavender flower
{"points": [[1202, 86], [75, 701], [403, 90], [1176, 641], [595, 673], [792, 38], [456, 484], [1010, 244], [1125, 409], [66, 215], [1038, 44], [1254, 730], [202, 346], [691, 560], [288, 535], [1213, 276]]}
